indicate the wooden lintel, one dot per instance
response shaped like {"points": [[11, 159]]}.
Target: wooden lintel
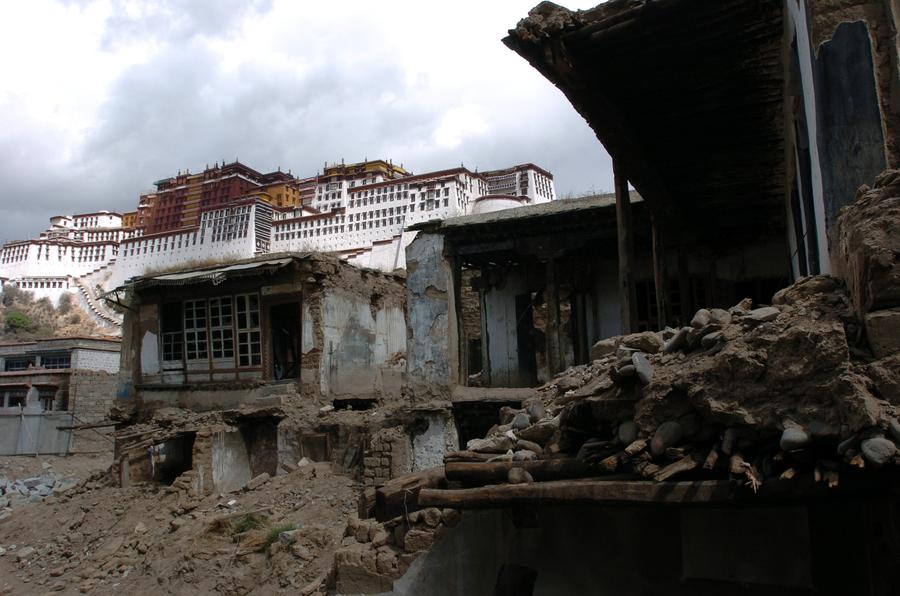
{"points": [[568, 492], [540, 469]]}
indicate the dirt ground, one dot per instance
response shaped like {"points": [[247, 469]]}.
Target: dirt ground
{"points": [[156, 539]]}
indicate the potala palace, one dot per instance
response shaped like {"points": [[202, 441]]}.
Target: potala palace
{"points": [[361, 211]]}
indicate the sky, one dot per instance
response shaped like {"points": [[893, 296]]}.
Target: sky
{"points": [[100, 98]]}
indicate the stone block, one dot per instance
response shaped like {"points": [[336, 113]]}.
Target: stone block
{"points": [[883, 332]]}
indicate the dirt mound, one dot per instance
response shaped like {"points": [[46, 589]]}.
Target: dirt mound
{"points": [[277, 538]]}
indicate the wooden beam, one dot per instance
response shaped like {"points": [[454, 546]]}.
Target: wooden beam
{"points": [[551, 295], [540, 469], [660, 273], [399, 496], [626, 251], [568, 492]]}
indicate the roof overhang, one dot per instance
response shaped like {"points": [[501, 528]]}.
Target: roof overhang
{"points": [[687, 96]]}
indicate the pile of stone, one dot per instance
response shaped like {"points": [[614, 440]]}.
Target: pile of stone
{"points": [[750, 394], [373, 554], [31, 490]]}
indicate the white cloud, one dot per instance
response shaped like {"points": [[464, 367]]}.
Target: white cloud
{"points": [[100, 98]]}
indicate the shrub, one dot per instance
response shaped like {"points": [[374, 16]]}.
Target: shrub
{"points": [[17, 321]]}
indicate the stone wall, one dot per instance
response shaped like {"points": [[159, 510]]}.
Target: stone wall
{"points": [[388, 455], [865, 257], [91, 394]]}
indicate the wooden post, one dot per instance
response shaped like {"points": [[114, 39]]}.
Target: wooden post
{"points": [[626, 251], [660, 273], [551, 294], [684, 286]]}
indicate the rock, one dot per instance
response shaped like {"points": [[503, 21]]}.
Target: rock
{"points": [[431, 516], [177, 523], [762, 315], [380, 537], [629, 370], [24, 553], [743, 306], [417, 540], [519, 476], [536, 410], [894, 429], [623, 354], [524, 455], [303, 462], [643, 369], [667, 435], [878, 450], [708, 341], [301, 552], [678, 341], [701, 319], [140, 528], [529, 445], [718, 316], [288, 537], [627, 432], [498, 444], [539, 433], [326, 409], [646, 341], [885, 375], [604, 347], [46, 465], [866, 246], [4, 502], [793, 438], [506, 415], [883, 332], [258, 481], [2, 551], [521, 421], [386, 562]]}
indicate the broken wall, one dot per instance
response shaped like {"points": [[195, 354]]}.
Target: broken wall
{"points": [[432, 352]]}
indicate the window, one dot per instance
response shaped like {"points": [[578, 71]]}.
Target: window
{"points": [[195, 330], [13, 364], [221, 327], [249, 348], [172, 339], [56, 361]]}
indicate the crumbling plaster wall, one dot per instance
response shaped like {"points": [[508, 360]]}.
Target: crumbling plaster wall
{"points": [[230, 460], [432, 352], [438, 439], [882, 18]]}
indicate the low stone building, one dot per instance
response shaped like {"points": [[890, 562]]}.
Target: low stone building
{"points": [[280, 329], [75, 381]]}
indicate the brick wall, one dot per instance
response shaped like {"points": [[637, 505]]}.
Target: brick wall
{"points": [[389, 455], [91, 394], [98, 360]]}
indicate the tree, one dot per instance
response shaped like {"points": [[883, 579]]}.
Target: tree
{"points": [[17, 321]]}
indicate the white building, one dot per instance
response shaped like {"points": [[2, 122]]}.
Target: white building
{"points": [[361, 216]]}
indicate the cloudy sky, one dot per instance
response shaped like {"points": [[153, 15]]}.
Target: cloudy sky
{"points": [[100, 98]]}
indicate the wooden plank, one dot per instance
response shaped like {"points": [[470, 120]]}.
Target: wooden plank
{"points": [[492, 472], [626, 250], [400, 496], [567, 492]]}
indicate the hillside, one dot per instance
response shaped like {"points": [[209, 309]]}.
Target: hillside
{"points": [[22, 318]]}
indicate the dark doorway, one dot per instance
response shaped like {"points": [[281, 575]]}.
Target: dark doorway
{"points": [[261, 438], [172, 458], [474, 419], [285, 333]]}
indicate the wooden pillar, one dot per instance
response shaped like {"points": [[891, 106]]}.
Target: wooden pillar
{"points": [[684, 286], [627, 303], [660, 273], [551, 293]]}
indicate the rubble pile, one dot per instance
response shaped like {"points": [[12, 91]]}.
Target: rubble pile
{"points": [[33, 489], [277, 537], [755, 392]]}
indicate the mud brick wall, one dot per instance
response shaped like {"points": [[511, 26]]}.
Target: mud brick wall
{"points": [[389, 455], [91, 394]]}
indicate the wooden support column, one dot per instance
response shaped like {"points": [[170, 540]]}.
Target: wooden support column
{"points": [[660, 273], [684, 287], [627, 303], [551, 294]]}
